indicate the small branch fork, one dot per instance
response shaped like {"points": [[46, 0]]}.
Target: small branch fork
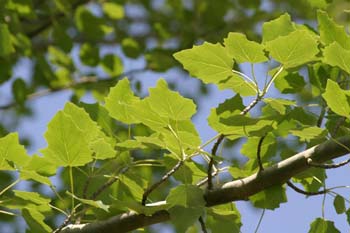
{"points": [[150, 189], [327, 166], [319, 165], [298, 190], [221, 138]]}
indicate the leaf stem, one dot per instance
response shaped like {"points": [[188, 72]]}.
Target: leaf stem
{"points": [[255, 88], [267, 87], [260, 220], [9, 186], [71, 184]]}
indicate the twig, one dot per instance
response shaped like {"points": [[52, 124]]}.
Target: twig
{"points": [[65, 223], [298, 190], [150, 189], [211, 161], [327, 166], [82, 81], [202, 223], [338, 124], [107, 184], [86, 185], [258, 153], [221, 137]]}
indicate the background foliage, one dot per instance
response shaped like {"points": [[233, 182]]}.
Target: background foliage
{"points": [[88, 47]]}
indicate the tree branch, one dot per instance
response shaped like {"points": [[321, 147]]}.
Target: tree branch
{"points": [[231, 191], [90, 80]]}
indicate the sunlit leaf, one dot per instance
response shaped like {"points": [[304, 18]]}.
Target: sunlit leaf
{"points": [[281, 26], [244, 50], [330, 31], [113, 10], [308, 133], [336, 99], [11, 150], [209, 62], [67, 144], [35, 220], [294, 49], [335, 55], [6, 46], [120, 101]]}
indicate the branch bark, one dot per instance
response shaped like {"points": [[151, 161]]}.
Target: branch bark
{"points": [[231, 191]]}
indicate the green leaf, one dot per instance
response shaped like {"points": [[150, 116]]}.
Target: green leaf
{"points": [[63, 5], [91, 26], [113, 10], [41, 166], [119, 102], [131, 47], [335, 55], [289, 82], [320, 225], [22, 7], [268, 147], [311, 179], [270, 198], [209, 62], [224, 218], [331, 32], [336, 99], [280, 105], [188, 173], [238, 85], [348, 215], [100, 115], [89, 54], [159, 60], [33, 197], [112, 65], [6, 47], [186, 195], [11, 150], [32, 175], [294, 49], [97, 204], [102, 149], [170, 104], [163, 106], [281, 26], [244, 50], [145, 114], [183, 217], [67, 144], [35, 220], [308, 133], [19, 90], [339, 204], [101, 145], [60, 58]]}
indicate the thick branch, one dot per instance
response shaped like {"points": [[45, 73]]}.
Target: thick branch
{"points": [[231, 191]]}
